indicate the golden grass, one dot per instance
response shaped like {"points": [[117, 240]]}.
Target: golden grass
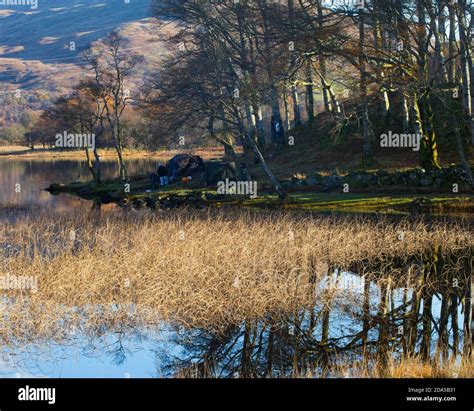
{"points": [[203, 270], [21, 152], [13, 148], [405, 367]]}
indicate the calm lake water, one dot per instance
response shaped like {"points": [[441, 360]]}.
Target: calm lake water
{"points": [[310, 340], [364, 317], [23, 181]]}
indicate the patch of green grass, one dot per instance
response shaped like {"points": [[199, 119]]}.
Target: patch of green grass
{"points": [[364, 203]]}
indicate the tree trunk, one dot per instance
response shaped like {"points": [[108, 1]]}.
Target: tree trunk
{"points": [[296, 106], [471, 73], [322, 60], [452, 73], [276, 184], [454, 323], [464, 163], [468, 314], [335, 106], [385, 106], [287, 111], [275, 104], [309, 91], [465, 75], [294, 90], [405, 113], [439, 69], [442, 346], [428, 146], [90, 166], [367, 149], [442, 37], [383, 344], [97, 164]]}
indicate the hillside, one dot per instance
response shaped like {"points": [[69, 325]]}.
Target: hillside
{"points": [[40, 62]]}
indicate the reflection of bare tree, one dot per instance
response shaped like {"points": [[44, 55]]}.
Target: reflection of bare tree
{"points": [[117, 351], [412, 314]]}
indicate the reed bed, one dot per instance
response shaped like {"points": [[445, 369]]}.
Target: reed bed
{"points": [[405, 367], [203, 269]]}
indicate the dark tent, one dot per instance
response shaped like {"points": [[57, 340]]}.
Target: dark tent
{"points": [[184, 165], [218, 171], [208, 174]]}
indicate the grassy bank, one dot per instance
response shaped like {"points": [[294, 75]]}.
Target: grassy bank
{"points": [[143, 195]]}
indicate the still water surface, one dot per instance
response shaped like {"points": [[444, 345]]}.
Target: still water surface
{"points": [[23, 181], [311, 339]]}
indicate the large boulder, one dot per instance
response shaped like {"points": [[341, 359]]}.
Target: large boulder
{"points": [[184, 165], [332, 181], [217, 170]]}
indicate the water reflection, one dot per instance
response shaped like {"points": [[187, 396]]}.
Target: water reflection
{"points": [[24, 180], [363, 322], [358, 325]]}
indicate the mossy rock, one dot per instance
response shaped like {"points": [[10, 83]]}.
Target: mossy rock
{"points": [[384, 181]]}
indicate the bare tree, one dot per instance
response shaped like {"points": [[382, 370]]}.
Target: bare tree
{"points": [[111, 65]]}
